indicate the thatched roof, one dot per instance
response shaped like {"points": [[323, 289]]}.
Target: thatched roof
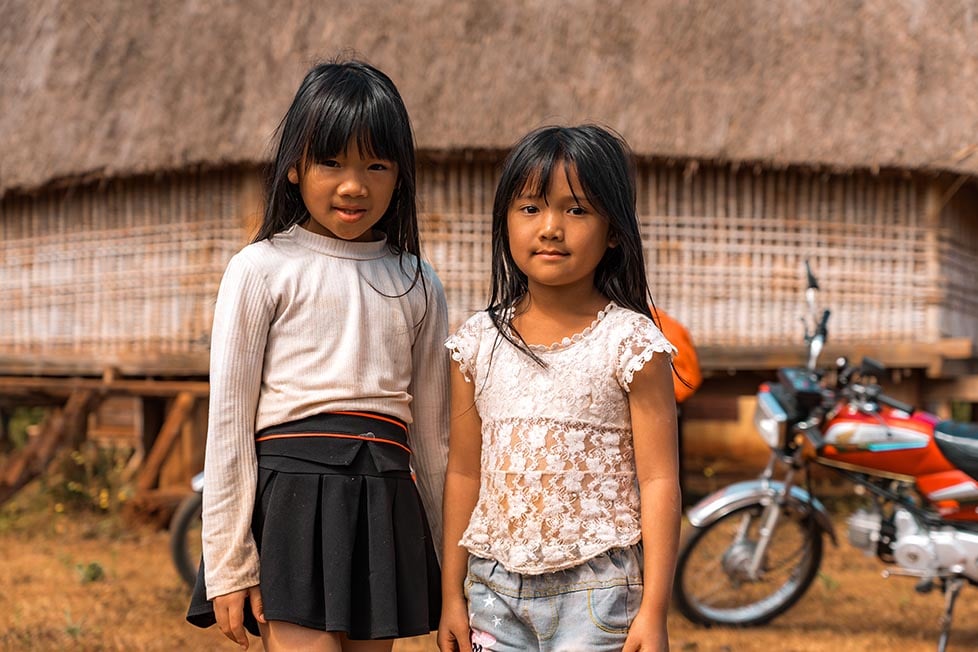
{"points": [[98, 88]]}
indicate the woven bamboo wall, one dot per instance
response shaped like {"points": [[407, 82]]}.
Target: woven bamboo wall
{"points": [[958, 241], [127, 269], [132, 267], [725, 248], [456, 224]]}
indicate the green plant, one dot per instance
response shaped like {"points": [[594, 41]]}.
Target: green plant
{"points": [[72, 628], [90, 572], [21, 419], [829, 582], [91, 477]]}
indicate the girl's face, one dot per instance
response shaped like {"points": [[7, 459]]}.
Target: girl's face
{"points": [[346, 195], [558, 241]]}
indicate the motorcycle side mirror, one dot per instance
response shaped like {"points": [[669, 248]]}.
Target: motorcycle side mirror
{"points": [[811, 291], [812, 283]]}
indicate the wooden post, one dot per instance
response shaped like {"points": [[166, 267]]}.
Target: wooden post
{"points": [[182, 408]]}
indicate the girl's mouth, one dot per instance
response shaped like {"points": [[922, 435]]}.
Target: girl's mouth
{"points": [[349, 213]]}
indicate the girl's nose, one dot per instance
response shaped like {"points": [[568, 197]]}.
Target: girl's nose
{"points": [[552, 227], [353, 185]]}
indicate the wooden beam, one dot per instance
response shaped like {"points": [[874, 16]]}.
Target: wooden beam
{"points": [[895, 355], [57, 386], [131, 364], [181, 410]]}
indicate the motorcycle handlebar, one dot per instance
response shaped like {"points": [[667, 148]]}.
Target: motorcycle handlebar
{"points": [[872, 394], [895, 404]]}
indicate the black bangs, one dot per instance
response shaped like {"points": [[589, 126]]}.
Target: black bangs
{"points": [[534, 177], [356, 112], [528, 171], [532, 169]]}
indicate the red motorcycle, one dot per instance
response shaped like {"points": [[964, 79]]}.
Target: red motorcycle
{"points": [[755, 547]]}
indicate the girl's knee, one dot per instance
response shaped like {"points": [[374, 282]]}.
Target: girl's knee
{"points": [[281, 636]]}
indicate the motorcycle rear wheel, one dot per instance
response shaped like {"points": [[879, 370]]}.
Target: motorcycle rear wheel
{"points": [[185, 546], [713, 584]]}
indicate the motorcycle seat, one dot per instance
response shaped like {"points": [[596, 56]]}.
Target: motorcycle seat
{"points": [[959, 443]]}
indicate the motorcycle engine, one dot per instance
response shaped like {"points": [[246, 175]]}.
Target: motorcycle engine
{"points": [[933, 552], [905, 542], [865, 530]]}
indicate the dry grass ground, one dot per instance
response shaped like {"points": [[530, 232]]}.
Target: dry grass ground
{"points": [[85, 583]]}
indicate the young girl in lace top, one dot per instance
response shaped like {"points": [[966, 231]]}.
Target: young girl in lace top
{"points": [[562, 493]]}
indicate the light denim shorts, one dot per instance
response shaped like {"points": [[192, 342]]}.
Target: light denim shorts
{"points": [[587, 607]]}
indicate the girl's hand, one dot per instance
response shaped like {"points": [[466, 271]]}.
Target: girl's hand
{"points": [[229, 611], [646, 635], [453, 630]]}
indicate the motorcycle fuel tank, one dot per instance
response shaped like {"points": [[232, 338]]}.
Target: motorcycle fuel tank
{"points": [[894, 442], [889, 440]]}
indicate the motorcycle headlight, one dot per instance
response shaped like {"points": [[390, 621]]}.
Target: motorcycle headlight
{"points": [[770, 419]]}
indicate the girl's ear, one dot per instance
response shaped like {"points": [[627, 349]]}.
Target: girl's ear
{"points": [[293, 175], [612, 241]]}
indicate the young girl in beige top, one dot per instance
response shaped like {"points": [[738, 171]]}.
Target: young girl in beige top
{"points": [[328, 386]]}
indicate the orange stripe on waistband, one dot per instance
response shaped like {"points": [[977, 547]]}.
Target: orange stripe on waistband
{"points": [[375, 416], [379, 440]]}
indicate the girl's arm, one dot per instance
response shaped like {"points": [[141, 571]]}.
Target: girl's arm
{"points": [[653, 410], [242, 315], [429, 391], [461, 495]]}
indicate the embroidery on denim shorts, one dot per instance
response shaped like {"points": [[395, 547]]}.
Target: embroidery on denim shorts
{"points": [[482, 639]]}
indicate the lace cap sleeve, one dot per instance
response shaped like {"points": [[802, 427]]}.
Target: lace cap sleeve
{"points": [[464, 344], [640, 343]]}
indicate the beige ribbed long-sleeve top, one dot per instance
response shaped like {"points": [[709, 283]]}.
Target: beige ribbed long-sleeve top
{"points": [[302, 326]]}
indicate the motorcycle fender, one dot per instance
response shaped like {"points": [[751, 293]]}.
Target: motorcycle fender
{"points": [[742, 494]]}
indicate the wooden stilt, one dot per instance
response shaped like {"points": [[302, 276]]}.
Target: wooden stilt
{"points": [[181, 410]]}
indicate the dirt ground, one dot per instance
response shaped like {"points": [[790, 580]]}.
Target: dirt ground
{"points": [[90, 583]]}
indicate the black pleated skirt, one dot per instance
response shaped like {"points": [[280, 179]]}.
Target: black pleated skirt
{"points": [[342, 536]]}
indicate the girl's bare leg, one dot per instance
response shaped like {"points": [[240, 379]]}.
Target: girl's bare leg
{"points": [[288, 637], [280, 636], [366, 646]]}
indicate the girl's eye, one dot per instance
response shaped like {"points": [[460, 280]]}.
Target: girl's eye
{"points": [[380, 166], [331, 163], [577, 210], [529, 209]]}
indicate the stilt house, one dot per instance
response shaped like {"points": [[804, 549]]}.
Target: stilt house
{"points": [[841, 132]]}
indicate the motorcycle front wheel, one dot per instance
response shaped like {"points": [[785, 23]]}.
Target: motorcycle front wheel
{"points": [[714, 582], [185, 546]]}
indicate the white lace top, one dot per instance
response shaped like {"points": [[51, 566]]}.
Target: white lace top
{"points": [[558, 481]]}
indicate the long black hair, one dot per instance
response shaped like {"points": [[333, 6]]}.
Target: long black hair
{"points": [[340, 102], [606, 172]]}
